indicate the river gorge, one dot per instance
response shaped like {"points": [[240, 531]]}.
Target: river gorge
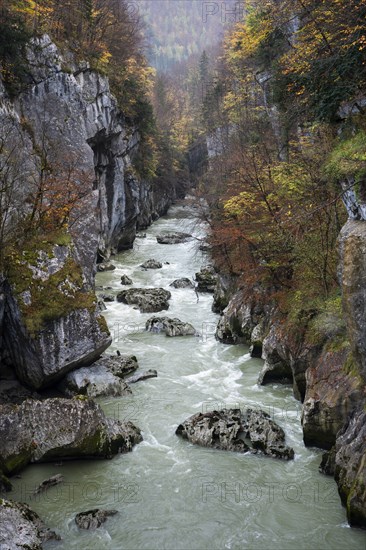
{"points": [[171, 494]]}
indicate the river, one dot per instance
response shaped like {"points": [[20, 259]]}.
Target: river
{"points": [[169, 493]]}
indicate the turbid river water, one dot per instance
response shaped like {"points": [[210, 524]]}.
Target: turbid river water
{"points": [[169, 493]]}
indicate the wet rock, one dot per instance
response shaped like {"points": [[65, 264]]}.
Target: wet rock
{"points": [[55, 429], [184, 282], [174, 237], [93, 518], [171, 327], [107, 297], [236, 430], [126, 281], [50, 482], [216, 429], [148, 300], [93, 381], [119, 365], [327, 465], [350, 469], [151, 373], [152, 264], [141, 236], [256, 342], [108, 266], [206, 280], [21, 528], [266, 435]]}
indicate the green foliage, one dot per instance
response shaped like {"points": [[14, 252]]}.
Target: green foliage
{"points": [[14, 35], [348, 158]]}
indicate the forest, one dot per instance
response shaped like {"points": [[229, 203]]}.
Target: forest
{"points": [[235, 133]]}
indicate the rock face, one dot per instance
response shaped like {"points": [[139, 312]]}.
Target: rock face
{"points": [[206, 280], [171, 327], [353, 280], [152, 264], [182, 283], [53, 429], [20, 527], [332, 395], [148, 300], [75, 113], [93, 518], [236, 430], [175, 237], [350, 469]]}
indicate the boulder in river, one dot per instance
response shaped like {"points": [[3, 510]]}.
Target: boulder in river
{"points": [[21, 528], [107, 297], [151, 373], [108, 266], [50, 482], [54, 429], [152, 264], [119, 365], [206, 279], [148, 300], [126, 281], [184, 282], [236, 430], [93, 519], [93, 381], [171, 327], [173, 237]]}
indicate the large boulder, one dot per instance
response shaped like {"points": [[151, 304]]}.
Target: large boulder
{"points": [[94, 381], [52, 319], [42, 431], [92, 519], [236, 430], [152, 264], [184, 282], [206, 279], [21, 528], [171, 327], [173, 237], [350, 469], [148, 300]]}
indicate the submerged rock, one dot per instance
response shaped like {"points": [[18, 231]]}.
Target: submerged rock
{"points": [[151, 373], [148, 300], [151, 264], [171, 327], [53, 429], [21, 528], [173, 237], [126, 281], [47, 483], [182, 283], [236, 430], [93, 518], [206, 279]]}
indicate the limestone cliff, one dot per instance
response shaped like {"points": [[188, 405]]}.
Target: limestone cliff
{"points": [[67, 116], [323, 355]]}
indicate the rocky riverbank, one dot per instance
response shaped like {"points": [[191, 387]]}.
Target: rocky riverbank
{"points": [[322, 355]]}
